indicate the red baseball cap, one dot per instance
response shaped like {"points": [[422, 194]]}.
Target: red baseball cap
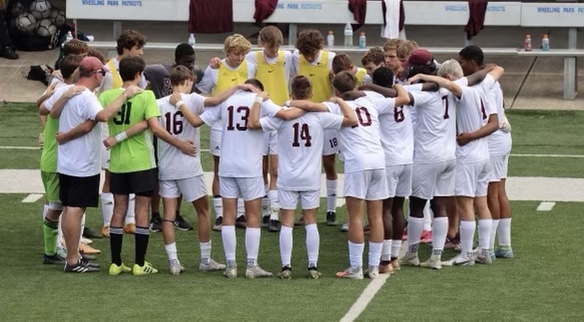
{"points": [[91, 64], [420, 57]]}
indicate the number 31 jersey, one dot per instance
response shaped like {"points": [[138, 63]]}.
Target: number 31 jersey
{"points": [[241, 148], [300, 148], [173, 164]]}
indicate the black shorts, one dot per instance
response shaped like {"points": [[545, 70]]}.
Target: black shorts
{"points": [[79, 192], [141, 183]]}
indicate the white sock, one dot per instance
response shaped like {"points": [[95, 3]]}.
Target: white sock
{"points": [[485, 226], [386, 250], [82, 227], [356, 254], [60, 241], [265, 207], [374, 253], [107, 207], [312, 244], [428, 215], [171, 252], [439, 232], [504, 231], [274, 204], [395, 247], [45, 210], [252, 245], [331, 195], [240, 207], [130, 213], [467, 230], [205, 252], [229, 242], [286, 242], [218, 205], [415, 227], [493, 233]]}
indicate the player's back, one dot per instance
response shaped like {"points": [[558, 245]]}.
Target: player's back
{"points": [[499, 141], [471, 114]]}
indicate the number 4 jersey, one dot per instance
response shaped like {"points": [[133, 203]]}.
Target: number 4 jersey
{"points": [[137, 152], [241, 148], [173, 164]]}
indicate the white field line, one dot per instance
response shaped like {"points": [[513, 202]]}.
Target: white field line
{"points": [[546, 206], [364, 299], [33, 197]]}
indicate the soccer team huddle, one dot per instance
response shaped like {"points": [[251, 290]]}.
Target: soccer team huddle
{"points": [[404, 126]]}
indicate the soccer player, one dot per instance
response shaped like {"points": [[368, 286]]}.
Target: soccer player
{"points": [[342, 62], [471, 59], [314, 62], [372, 60], [392, 62], [300, 142], [233, 70]]}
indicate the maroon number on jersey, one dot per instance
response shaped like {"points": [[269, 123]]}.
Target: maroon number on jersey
{"points": [[363, 116], [240, 125], [301, 133]]}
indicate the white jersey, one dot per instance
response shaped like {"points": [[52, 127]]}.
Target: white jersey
{"points": [[300, 148], [471, 114], [435, 127], [241, 148], [173, 164], [499, 141], [360, 145], [79, 157]]}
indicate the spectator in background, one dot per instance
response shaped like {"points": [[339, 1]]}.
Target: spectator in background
{"points": [[6, 49]]}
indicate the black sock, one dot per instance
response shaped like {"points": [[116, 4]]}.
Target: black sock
{"points": [[116, 238], [141, 235]]}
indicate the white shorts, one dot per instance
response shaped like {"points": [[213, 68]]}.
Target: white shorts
{"points": [[191, 188], [366, 184], [472, 179], [245, 188], [270, 143], [105, 157], [289, 199], [215, 140], [499, 165], [399, 180], [331, 142], [433, 179]]}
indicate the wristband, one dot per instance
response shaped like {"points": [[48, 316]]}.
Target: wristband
{"points": [[178, 104], [121, 137], [259, 100], [287, 103]]}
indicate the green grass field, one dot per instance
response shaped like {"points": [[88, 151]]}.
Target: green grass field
{"points": [[541, 284]]}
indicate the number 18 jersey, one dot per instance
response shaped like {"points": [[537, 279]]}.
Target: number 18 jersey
{"points": [[173, 164]]}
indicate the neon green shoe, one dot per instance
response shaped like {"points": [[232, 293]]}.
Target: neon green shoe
{"points": [[147, 269], [115, 270]]}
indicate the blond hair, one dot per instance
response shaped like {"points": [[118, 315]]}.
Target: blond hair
{"points": [[270, 36], [236, 44], [450, 68]]}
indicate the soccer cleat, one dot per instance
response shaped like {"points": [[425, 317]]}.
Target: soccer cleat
{"points": [[265, 221], [345, 227], [86, 241], [410, 259], [460, 260], [299, 222], [492, 255], [386, 269], [331, 218], [129, 228], [230, 270], [504, 252], [286, 273], [218, 224], [105, 231], [88, 233], [433, 262], [54, 259], [355, 273], [116, 270], [88, 257], [395, 265], [373, 272], [175, 267], [274, 226], [146, 269], [313, 273], [181, 224], [62, 251], [82, 266], [211, 266], [483, 257], [256, 271], [241, 222], [452, 243], [86, 249], [156, 223]]}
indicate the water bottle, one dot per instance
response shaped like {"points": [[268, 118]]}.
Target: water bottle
{"points": [[68, 37], [348, 35], [545, 43], [527, 43], [192, 40], [330, 39], [362, 41]]}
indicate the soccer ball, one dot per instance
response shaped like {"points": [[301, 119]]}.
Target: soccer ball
{"points": [[27, 23], [41, 9], [46, 28], [60, 18]]}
